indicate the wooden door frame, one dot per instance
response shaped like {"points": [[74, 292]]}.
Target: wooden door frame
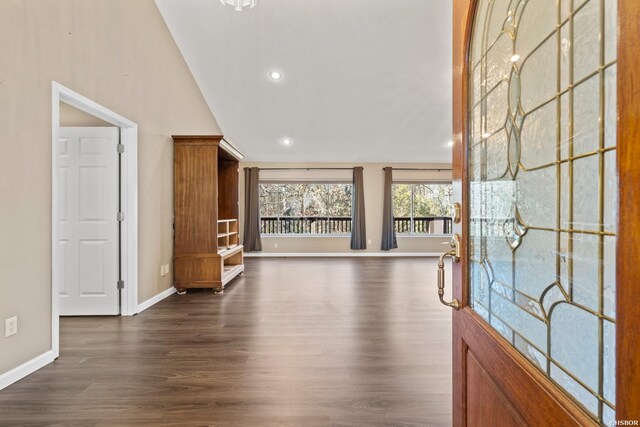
{"points": [[128, 202], [506, 363], [628, 253]]}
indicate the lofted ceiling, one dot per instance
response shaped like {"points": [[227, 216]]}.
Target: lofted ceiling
{"points": [[362, 80]]}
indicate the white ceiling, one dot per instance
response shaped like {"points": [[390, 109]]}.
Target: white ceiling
{"points": [[363, 80]]}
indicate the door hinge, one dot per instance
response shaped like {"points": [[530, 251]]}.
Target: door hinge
{"points": [[120, 148], [120, 284], [120, 216]]}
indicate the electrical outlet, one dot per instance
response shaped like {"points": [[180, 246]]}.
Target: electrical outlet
{"points": [[164, 269], [368, 241], [10, 326], [275, 245]]}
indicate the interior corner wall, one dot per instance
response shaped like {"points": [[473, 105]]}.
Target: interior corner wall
{"points": [[373, 177], [120, 54]]}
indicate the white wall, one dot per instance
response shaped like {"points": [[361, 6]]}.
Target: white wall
{"points": [[120, 54], [72, 117], [373, 183]]}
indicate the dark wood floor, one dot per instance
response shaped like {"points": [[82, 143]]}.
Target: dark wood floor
{"points": [[294, 342]]}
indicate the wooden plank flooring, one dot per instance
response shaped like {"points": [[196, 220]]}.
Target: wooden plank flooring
{"points": [[293, 342]]}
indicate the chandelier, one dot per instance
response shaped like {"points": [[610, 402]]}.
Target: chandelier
{"points": [[239, 4]]}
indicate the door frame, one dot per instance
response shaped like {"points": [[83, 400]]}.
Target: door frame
{"points": [[628, 252], [128, 202], [471, 326]]}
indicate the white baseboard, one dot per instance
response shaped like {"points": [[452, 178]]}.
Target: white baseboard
{"points": [[338, 254], [27, 368], [154, 300]]}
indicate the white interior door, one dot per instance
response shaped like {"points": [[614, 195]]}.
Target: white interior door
{"points": [[88, 192]]}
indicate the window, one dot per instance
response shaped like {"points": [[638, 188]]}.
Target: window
{"points": [[305, 208], [423, 208]]}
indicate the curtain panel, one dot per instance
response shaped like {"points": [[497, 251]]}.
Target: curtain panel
{"points": [[358, 226], [389, 240], [251, 236]]}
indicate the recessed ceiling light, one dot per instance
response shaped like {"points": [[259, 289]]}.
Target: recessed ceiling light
{"points": [[286, 141], [450, 144], [515, 58], [275, 75]]}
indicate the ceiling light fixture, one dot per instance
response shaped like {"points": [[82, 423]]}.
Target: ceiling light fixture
{"points": [[286, 141], [275, 75], [239, 4]]}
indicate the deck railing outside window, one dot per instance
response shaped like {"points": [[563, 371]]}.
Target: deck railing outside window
{"points": [[342, 225], [305, 225], [423, 225]]}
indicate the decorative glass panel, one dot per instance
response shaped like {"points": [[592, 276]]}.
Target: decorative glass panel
{"points": [[543, 189]]}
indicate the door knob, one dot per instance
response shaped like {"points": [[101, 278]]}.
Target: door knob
{"points": [[454, 253]]}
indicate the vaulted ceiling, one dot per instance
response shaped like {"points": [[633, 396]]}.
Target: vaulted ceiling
{"points": [[361, 80]]}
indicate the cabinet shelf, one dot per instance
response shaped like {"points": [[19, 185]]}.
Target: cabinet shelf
{"points": [[225, 251], [226, 234]]}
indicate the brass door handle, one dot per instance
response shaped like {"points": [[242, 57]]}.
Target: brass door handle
{"points": [[455, 254]]}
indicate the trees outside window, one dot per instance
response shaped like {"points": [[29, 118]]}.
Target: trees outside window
{"points": [[422, 208], [305, 208]]}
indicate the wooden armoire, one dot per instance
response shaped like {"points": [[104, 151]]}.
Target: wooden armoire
{"points": [[206, 251]]}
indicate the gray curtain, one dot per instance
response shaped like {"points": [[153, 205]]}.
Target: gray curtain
{"points": [[251, 239], [358, 228], [389, 240]]}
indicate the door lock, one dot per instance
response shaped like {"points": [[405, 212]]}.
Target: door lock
{"points": [[457, 209]]}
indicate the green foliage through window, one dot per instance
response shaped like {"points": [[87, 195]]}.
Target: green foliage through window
{"points": [[422, 208], [305, 208]]}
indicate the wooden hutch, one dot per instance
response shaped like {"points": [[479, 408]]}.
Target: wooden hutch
{"points": [[207, 252]]}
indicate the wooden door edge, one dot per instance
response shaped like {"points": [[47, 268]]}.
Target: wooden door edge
{"points": [[628, 241], [463, 13]]}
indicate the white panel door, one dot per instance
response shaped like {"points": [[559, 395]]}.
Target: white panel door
{"points": [[88, 194]]}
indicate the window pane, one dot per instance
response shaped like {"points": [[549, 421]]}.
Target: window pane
{"points": [[339, 200], [270, 199], [305, 208], [402, 200], [432, 200], [292, 199], [315, 200], [422, 208]]}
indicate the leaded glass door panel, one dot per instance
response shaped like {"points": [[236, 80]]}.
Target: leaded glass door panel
{"points": [[535, 169]]}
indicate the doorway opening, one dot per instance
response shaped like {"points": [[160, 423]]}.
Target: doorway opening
{"points": [[94, 212]]}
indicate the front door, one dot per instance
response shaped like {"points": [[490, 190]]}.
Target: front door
{"points": [[545, 133], [88, 194]]}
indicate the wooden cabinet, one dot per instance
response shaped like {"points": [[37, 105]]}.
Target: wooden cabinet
{"points": [[207, 251]]}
